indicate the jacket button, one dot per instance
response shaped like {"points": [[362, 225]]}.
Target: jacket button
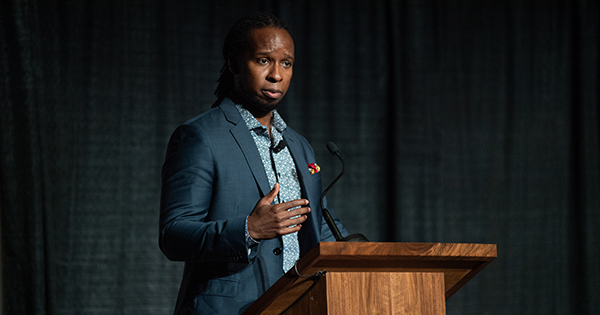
{"points": [[277, 251]]}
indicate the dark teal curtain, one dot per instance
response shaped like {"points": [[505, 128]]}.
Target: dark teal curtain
{"points": [[459, 121]]}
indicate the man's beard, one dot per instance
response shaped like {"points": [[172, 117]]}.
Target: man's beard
{"points": [[254, 104]]}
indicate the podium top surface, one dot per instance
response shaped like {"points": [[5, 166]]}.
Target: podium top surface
{"points": [[457, 261], [347, 254]]}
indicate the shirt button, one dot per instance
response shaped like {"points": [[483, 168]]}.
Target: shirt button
{"points": [[277, 251]]}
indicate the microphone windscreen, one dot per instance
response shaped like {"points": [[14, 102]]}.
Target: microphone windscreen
{"points": [[332, 147]]}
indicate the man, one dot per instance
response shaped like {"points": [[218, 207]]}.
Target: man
{"points": [[240, 189]]}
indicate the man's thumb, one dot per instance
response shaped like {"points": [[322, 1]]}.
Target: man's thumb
{"points": [[271, 195]]}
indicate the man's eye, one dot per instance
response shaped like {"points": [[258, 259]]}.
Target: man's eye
{"points": [[263, 61], [287, 64]]}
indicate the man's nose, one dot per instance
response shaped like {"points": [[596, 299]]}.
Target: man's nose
{"points": [[274, 74]]}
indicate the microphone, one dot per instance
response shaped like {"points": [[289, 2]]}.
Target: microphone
{"points": [[326, 215], [280, 146]]}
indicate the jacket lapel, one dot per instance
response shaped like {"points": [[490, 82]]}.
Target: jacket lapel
{"points": [[244, 140]]}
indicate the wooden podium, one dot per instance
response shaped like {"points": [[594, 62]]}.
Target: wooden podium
{"points": [[348, 278]]}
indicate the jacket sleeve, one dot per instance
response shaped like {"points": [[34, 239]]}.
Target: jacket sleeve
{"points": [[185, 233]]}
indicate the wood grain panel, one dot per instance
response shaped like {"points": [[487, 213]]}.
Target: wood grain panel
{"points": [[385, 293], [455, 263]]}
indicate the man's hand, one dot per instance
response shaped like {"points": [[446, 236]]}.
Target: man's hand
{"points": [[270, 221]]}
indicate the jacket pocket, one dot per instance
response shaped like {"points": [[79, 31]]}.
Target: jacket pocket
{"points": [[222, 287]]}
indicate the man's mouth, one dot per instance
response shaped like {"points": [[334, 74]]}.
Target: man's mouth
{"points": [[274, 94]]}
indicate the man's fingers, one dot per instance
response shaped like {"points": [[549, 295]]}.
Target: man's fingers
{"points": [[291, 229], [298, 220], [294, 203], [283, 214], [294, 224], [294, 218], [300, 211]]}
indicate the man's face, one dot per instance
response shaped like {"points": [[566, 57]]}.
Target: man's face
{"points": [[265, 70]]}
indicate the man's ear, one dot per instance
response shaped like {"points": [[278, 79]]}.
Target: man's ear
{"points": [[233, 64]]}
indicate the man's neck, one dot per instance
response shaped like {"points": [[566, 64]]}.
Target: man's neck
{"points": [[264, 118]]}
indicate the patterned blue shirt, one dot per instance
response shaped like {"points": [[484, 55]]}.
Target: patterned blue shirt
{"points": [[287, 175]]}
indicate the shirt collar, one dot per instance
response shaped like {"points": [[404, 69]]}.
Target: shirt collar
{"points": [[252, 123]]}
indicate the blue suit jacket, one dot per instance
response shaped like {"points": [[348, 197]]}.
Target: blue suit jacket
{"points": [[211, 180]]}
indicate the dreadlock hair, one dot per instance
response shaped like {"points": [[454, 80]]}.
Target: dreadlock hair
{"points": [[236, 43]]}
